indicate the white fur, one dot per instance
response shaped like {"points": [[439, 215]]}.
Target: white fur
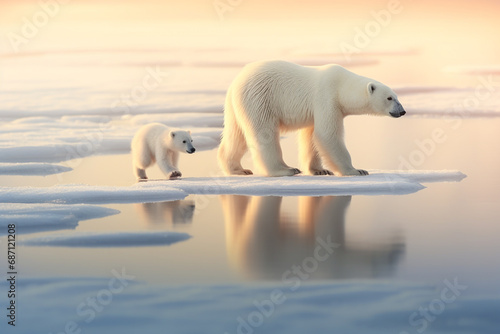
{"points": [[156, 142], [268, 97]]}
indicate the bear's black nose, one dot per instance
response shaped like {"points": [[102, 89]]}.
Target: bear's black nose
{"points": [[191, 150], [402, 112]]}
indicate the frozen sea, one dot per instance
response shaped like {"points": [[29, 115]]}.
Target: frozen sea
{"points": [[412, 247]]}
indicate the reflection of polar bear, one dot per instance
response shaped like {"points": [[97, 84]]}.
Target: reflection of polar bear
{"points": [[267, 97], [157, 143], [263, 242], [173, 212]]}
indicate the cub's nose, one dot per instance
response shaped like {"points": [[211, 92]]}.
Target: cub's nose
{"points": [[402, 112], [191, 151]]}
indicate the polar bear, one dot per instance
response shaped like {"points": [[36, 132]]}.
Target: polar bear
{"points": [[156, 142], [272, 96]]}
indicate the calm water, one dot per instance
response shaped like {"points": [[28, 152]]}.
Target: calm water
{"points": [[446, 230]]}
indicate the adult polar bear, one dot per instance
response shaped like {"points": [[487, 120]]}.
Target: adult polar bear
{"points": [[272, 96]]}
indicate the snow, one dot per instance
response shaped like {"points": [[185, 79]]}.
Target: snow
{"points": [[115, 239], [294, 186], [423, 176], [85, 194], [32, 169], [51, 304], [377, 183], [32, 218]]}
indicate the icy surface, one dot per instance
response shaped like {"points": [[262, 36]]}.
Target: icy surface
{"points": [[76, 194], [119, 239], [377, 183], [32, 169], [423, 176], [31, 218]]}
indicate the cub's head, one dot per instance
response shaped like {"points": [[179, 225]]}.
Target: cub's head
{"points": [[181, 141], [383, 101]]}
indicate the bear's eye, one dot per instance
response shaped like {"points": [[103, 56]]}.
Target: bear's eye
{"points": [[389, 98], [183, 141], [191, 140]]}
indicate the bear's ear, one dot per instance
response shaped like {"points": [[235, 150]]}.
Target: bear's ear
{"points": [[172, 134], [371, 88]]}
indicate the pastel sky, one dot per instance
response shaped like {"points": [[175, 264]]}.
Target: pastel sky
{"points": [[251, 9], [447, 27]]}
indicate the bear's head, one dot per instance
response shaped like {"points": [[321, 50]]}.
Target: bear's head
{"points": [[383, 101], [181, 141]]}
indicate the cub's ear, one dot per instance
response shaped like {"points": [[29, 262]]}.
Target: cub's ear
{"points": [[172, 134], [371, 87]]}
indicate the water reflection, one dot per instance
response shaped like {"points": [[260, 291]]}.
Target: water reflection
{"points": [[174, 212], [264, 243]]}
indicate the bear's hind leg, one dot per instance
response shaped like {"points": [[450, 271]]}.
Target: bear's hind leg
{"points": [[142, 159], [333, 150], [232, 148]]}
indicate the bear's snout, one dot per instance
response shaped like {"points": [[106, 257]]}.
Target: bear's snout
{"points": [[191, 151], [397, 114], [398, 111]]}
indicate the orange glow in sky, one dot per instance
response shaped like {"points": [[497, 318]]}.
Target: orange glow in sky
{"points": [[447, 28]]}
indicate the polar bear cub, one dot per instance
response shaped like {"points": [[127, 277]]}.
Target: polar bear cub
{"points": [[156, 142]]}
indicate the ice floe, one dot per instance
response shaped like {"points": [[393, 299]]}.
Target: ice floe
{"points": [[85, 194], [118, 239], [31, 218], [378, 183], [32, 169]]}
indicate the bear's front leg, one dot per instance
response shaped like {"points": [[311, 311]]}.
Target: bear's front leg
{"points": [[266, 150], [174, 156], [140, 173], [331, 146], [164, 161], [175, 174]]}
